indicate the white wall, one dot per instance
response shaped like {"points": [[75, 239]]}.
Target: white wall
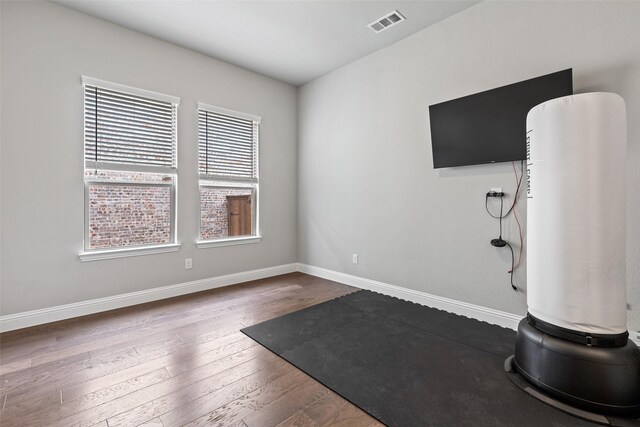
{"points": [[45, 50], [366, 181]]}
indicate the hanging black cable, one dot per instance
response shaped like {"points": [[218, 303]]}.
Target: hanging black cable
{"points": [[500, 243], [513, 258], [501, 207]]}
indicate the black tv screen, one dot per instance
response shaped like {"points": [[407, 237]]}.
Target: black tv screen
{"points": [[490, 126]]}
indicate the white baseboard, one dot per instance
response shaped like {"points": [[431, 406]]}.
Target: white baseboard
{"points": [[37, 317], [46, 315], [489, 315]]}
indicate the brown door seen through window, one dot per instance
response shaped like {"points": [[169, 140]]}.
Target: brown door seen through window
{"points": [[239, 215]]}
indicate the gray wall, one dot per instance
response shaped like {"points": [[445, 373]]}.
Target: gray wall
{"points": [[45, 50], [366, 181]]}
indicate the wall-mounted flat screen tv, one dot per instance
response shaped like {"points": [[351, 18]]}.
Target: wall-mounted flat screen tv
{"points": [[490, 126]]}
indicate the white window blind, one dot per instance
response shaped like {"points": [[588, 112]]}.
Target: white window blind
{"points": [[127, 129], [227, 144]]}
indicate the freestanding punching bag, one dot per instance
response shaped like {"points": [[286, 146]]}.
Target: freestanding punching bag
{"points": [[574, 343]]}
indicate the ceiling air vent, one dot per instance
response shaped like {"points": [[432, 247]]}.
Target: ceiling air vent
{"points": [[387, 21]]}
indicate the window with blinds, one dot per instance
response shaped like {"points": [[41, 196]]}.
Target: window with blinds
{"points": [[228, 168], [126, 129], [227, 145], [130, 138]]}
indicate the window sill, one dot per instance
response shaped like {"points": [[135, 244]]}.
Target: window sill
{"points": [[204, 244], [127, 252]]}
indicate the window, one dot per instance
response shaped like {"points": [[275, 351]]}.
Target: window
{"points": [[130, 169], [228, 169]]}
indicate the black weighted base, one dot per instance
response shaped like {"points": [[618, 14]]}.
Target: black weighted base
{"points": [[605, 380], [607, 420]]}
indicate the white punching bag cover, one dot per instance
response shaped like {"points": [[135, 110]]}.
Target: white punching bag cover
{"points": [[576, 149]]}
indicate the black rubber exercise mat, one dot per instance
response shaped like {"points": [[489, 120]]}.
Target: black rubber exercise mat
{"points": [[407, 364]]}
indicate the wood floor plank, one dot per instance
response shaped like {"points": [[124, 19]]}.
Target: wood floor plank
{"points": [[98, 330], [271, 312], [185, 358], [269, 369], [333, 410], [190, 391], [299, 419], [281, 409], [116, 339], [53, 375], [183, 324], [235, 410], [113, 392], [152, 423], [35, 376], [16, 365], [16, 408], [169, 363], [217, 349], [34, 382], [24, 414], [200, 380], [24, 349], [189, 359]]}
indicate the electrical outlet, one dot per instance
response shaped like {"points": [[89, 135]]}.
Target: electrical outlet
{"points": [[355, 258], [495, 192], [188, 263]]}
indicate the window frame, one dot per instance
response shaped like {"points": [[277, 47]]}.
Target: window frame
{"points": [[88, 254], [225, 181]]}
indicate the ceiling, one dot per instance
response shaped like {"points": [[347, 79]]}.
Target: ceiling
{"points": [[292, 41]]}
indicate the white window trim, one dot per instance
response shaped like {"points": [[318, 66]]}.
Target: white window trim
{"points": [[230, 241], [90, 81], [174, 224], [100, 254], [221, 179], [226, 111], [111, 253], [91, 165], [208, 180]]}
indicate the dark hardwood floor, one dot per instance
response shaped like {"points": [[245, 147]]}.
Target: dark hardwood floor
{"points": [[175, 362]]}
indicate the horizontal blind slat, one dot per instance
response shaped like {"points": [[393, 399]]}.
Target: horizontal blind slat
{"points": [[146, 150], [125, 98], [124, 114], [221, 157], [234, 152], [223, 118], [126, 159], [224, 125], [129, 112], [127, 138]]}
